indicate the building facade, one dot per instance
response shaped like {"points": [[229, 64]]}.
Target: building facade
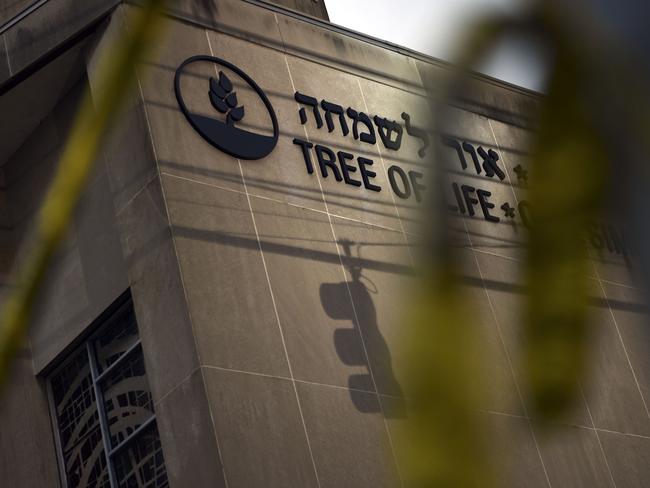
{"points": [[226, 308]]}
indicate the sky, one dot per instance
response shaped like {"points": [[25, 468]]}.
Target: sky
{"points": [[435, 27]]}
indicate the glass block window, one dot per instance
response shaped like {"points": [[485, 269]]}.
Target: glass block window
{"points": [[103, 413]]}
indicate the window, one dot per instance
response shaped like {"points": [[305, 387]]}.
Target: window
{"points": [[102, 410]]}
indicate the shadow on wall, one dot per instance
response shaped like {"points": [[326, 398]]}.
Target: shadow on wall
{"points": [[363, 324]]}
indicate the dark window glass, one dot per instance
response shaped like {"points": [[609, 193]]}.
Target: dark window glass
{"points": [[79, 432], [103, 411], [117, 338], [142, 463], [126, 398], [95, 472]]}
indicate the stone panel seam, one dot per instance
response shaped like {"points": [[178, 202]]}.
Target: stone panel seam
{"points": [[275, 309], [214, 429], [295, 205], [392, 195], [269, 44], [625, 434], [369, 224], [171, 228], [137, 194], [277, 317], [514, 194], [354, 311], [512, 187], [620, 337], [180, 272], [359, 72], [475, 177], [376, 42], [497, 255], [569, 424], [616, 283], [600, 444], [329, 63], [174, 388], [4, 40], [507, 414], [277, 24], [505, 164], [335, 64], [508, 358], [306, 382], [199, 369], [521, 261]]}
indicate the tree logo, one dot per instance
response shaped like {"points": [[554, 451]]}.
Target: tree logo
{"points": [[223, 133]]}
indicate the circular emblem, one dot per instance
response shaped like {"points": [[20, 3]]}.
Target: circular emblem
{"points": [[221, 130]]}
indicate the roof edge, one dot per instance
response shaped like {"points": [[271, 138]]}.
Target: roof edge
{"points": [[360, 36]]}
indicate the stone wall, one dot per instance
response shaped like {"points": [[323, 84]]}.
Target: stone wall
{"points": [[269, 298], [293, 280]]}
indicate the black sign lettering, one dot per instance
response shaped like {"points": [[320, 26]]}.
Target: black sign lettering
{"points": [[366, 174], [327, 159], [311, 102], [483, 196], [386, 129], [459, 199], [416, 132], [469, 200], [347, 169], [305, 146], [414, 177], [402, 188], [332, 108], [361, 118], [470, 150]]}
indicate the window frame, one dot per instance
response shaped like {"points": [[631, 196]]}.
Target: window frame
{"points": [[103, 322]]}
